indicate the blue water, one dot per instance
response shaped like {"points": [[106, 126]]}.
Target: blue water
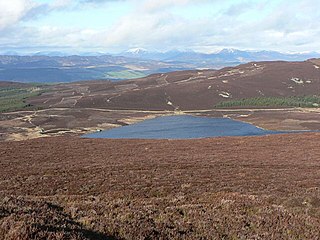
{"points": [[183, 127]]}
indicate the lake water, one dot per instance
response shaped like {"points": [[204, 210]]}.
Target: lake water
{"points": [[182, 127]]}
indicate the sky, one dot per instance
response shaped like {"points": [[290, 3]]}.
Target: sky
{"points": [[159, 25]]}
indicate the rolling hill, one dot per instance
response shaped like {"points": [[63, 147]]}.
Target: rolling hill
{"points": [[190, 90]]}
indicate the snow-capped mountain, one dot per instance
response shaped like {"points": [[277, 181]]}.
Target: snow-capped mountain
{"points": [[224, 57], [137, 51]]}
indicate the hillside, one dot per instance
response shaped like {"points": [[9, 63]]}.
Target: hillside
{"points": [[226, 188], [190, 90], [69, 187]]}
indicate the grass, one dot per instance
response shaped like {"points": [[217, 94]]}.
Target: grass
{"points": [[14, 98], [294, 101]]}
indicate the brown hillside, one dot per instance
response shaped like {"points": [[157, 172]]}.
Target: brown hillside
{"points": [[188, 90], [224, 188]]}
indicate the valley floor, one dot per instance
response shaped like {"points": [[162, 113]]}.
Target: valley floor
{"points": [[22, 125], [221, 188]]}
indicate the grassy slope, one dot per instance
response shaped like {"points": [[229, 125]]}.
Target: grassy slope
{"points": [[126, 74], [13, 98]]}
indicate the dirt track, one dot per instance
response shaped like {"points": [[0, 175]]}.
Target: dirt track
{"points": [[244, 187]]}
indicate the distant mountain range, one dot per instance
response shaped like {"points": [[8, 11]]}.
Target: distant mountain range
{"points": [[135, 63], [53, 69], [219, 59]]}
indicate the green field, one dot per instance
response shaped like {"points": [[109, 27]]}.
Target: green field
{"points": [[13, 98], [125, 74], [294, 101]]}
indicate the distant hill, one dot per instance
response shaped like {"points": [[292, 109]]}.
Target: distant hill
{"points": [[53, 67], [223, 58]]}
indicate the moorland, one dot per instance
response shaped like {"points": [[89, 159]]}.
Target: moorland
{"points": [[56, 185]]}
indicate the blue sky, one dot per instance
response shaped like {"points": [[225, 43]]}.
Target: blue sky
{"points": [[199, 25]]}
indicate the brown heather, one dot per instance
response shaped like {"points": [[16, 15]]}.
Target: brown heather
{"points": [[224, 188]]}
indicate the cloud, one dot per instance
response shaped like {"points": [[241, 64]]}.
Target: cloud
{"points": [[98, 2], [155, 24], [11, 12], [15, 11], [239, 8], [101, 1], [155, 5]]}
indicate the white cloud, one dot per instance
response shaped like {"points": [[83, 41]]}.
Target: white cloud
{"points": [[153, 24], [61, 4], [13, 11], [156, 5]]}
